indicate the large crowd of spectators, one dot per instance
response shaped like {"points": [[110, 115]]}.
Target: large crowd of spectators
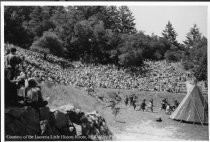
{"points": [[160, 75]]}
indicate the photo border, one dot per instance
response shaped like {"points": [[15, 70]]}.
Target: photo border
{"points": [[87, 3]]}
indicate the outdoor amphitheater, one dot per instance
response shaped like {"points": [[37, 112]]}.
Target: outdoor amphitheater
{"points": [[104, 73], [93, 87]]}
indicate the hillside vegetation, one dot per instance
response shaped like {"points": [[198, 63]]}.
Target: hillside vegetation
{"points": [[101, 35]]}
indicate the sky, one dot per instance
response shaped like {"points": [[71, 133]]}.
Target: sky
{"points": [[153, 19]]}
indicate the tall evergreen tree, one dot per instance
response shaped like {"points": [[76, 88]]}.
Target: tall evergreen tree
{"points": [[170, 34], [201, 71], [193, 37], [127, 25]]}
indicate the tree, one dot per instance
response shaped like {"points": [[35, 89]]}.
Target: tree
{"points": [[201, 71], [127, 25], [133, 49], [193, 37], [40, 20], [158, 47], [196, 48], [48, 43], [15, 29], [170, 34]]}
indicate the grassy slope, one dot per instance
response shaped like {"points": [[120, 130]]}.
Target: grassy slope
{"points": [[62, 95]]}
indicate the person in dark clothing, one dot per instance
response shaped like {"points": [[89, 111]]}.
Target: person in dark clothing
{"points": [[12, 62], [11, 97], [164, 104], [131, 100], [176, 104], [126, 100], [134, 102], [9, 59], [143, 105], [11, 72]]}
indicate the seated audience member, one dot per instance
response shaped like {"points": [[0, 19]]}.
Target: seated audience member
{"points": [[33, 95]]}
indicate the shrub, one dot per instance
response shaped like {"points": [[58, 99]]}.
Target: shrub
{"points": [[172, 56], [188, 65], [48, 43]]}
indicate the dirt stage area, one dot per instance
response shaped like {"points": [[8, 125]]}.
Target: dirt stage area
{"points": [[129, 123], [137, 125]]}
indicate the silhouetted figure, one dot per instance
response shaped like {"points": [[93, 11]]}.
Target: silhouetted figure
{"points": [[176, 104], [131, 100], [126, 100], [164, 104], [143, 105], [134, 102]]}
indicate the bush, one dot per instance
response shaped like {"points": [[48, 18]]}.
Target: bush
{"points": [[172, 56], [157, 55], [48, 43], [188, 65], [134, 58]]}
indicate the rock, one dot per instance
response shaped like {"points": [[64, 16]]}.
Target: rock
{"points": [[159, 119], [75, 116], [61, 120], [44, 113], [30, 118], [22, 121], [65, 108], [65, 120], [45, 127], [15, 111]]}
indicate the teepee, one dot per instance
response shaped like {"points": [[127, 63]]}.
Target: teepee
{"points": [[193, 108]]}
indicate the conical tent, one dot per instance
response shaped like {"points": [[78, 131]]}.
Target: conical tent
{"points": [[193, 108]]}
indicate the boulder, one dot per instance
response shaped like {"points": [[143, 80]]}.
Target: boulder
{"points": [[21, 121], [30, 118], [61, 120], [46, 129], [65, 120], [44, 113]]}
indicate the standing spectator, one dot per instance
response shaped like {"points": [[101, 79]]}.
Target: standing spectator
{"points": [[11, 64]]}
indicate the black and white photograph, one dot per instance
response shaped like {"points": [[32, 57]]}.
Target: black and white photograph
{"points": [[104, 71]]}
